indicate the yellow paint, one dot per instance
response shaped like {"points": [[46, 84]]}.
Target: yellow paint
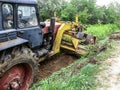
{"points": [[76, 18], [55, 14], [67, 48], [75, 41], [70, 46], [58, 39]]}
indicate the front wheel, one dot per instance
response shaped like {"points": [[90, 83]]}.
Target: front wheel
{"points": [[18, 74]]}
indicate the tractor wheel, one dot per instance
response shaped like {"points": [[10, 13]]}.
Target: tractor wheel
{"points": [[18, 74]]}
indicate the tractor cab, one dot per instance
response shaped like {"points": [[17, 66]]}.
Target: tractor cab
{"points": [[19, 23]]}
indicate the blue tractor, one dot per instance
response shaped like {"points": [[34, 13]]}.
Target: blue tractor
{"points": [[20, 33], [24, 42]]}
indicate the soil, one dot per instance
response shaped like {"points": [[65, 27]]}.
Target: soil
{"points": [[115, 36], [54, 64], [109, 77], [58, 62]]}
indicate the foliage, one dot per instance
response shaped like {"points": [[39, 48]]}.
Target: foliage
{"points": [[69, 13], [101, 31], [48, 7], [117, 14], [83, 16], [88, 11]]}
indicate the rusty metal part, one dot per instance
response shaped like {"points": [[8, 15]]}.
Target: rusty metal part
{"points": [[18, 77], [80, 29], [80, 35], [19, 72], [90, 39]]}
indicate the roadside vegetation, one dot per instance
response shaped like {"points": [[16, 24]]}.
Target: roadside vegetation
{"points": [[102, 31], [87, 10], [64, 80]]}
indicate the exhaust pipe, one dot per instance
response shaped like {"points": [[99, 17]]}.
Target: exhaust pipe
{"points": [[52, 25], [51, 32]]}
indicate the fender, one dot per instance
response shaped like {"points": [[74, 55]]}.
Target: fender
{"points": [[12, 43]]}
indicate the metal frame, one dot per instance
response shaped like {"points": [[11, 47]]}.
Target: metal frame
{"points": [[20, 1]]}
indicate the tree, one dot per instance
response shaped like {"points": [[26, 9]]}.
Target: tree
{"points": [[88, 11], [48, 7], [117, 14], [83, 16], [68, 14]]}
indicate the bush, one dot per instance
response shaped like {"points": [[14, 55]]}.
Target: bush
{"points": [[101, 31]]}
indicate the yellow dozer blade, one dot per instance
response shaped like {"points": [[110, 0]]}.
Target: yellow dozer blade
{"points": [[71, 39]]}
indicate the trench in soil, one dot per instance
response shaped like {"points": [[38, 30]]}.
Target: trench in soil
{"points": [[54, 64], [60, 61]]}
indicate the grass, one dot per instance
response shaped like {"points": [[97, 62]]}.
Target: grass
{"points": [[101, 31], [66, 80], [75, 78]]}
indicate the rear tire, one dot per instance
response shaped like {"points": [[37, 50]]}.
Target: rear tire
{"points": [[19, 73]]}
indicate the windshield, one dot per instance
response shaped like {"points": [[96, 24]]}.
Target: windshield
{"points": [[7, 16], [27, 16]]}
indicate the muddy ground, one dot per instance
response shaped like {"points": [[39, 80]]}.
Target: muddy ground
{"points": [[54, 64]]}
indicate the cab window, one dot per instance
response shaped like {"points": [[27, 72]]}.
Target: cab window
{"points": [[7, 14], [27, 16]]}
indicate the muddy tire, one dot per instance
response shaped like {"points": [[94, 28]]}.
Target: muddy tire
{"points": [[18, 74]]}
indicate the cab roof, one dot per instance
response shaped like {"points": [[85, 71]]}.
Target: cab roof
{"points": [[20, 1]]}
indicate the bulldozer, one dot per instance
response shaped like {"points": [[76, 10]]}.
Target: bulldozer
{"points": [[25, 42]]}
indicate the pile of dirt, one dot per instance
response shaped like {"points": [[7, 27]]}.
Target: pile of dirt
{"points": [[54, 64], [115, 36]]}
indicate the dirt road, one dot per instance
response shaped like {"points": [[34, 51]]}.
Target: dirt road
{"points": [[109, 78]]}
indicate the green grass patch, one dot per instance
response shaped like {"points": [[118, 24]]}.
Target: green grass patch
{"points": [[83, 80], [101, 31]]}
